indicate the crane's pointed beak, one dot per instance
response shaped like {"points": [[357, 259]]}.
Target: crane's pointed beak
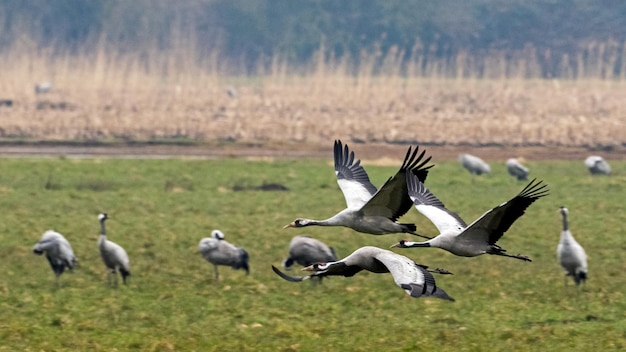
{"points": [[291, 224], [308, 268], [395, 245]]}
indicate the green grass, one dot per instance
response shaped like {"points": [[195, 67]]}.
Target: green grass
{"points": [[160, 209]]}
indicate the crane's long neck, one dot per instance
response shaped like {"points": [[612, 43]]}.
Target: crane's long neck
{"points": [[565, 226], [336, 268], [103, 230], [408, 244], [566, 235], [333, 221], [103, 234]]}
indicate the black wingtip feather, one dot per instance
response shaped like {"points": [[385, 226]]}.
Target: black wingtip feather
{"points": [[288, 277], [416, 163], [534, 190]]}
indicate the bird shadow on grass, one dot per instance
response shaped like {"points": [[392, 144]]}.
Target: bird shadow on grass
{"points": [[585, 319], [241, 185], [95, 184]]}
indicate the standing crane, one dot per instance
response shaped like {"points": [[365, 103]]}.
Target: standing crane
{"points": [[58, 252], [370, 210], [219, 252], [474, 164], [306, 250], [479, 237], [516, 169], [113, 255], [571, 254], [415, 279], [597, 165]]}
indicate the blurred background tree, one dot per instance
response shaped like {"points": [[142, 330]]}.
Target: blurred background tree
{"points": [[250, 34]]}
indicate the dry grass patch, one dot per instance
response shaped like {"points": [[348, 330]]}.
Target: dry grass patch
{"points": [[106, 99]]}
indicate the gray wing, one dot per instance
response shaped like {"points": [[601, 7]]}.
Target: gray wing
{"points": [[430, 206], [492, 225], [115, 256], [351, 177], [413, 278]]}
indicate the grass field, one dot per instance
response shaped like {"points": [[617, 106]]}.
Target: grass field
{"points": [[160, 209]]}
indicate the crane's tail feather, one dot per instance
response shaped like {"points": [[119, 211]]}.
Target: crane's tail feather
{"points": [[125, 273], [580, 277], [415, 290]]}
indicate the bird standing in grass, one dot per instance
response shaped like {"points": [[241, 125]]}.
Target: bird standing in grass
{"points": [[597, 165], [516, 169], [571, 254], [113, 255], [415, 279], [219, 252], [306, 250], [369, 210], [58, 252], [479, 237], [474, 164]]}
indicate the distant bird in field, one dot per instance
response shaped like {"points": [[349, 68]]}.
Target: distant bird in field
{"points": [[474, 164], [43, 87], [219, 252], [597, 165], [516, 169], [58, 252], [479, 237], [369, 210], [571, 254], [415, 279], [232, 92], [113, 255], [306, 250]]}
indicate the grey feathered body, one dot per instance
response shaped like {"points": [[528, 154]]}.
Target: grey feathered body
{"points": [[597, 165], [58, 251], [306, 250], [570, 253], [572, 257], [516, 169], [114, 256], [220, 252], [474, 164]]}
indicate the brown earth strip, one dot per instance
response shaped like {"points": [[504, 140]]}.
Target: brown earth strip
{"points": [[370, 151]]}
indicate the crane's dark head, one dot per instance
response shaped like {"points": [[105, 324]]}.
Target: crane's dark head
{"points": [[400, 244], [102, 217], [299, 222], [217, 234], [317, 267]]}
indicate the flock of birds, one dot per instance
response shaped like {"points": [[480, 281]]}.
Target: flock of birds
{"points": [[372, 211], [61, 256]]}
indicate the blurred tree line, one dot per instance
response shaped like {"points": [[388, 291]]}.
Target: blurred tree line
{"points": [[253, 33]]}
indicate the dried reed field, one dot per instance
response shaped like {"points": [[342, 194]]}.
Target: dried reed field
{"points": [[100, 100]]}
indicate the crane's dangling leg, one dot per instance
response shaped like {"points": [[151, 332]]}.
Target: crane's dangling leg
{"points": [[217, 275]]}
